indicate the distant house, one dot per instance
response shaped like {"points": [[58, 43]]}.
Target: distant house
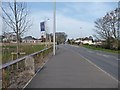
{"points": [[98, 42], [77, 41], [9, 37], [87, 40], [30, 39]]}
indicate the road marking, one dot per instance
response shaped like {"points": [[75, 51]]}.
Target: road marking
{"points": [[102, 55], [117, 59], [96, 66], [90, 51], [99, 68], [74, 45], [108, 56]]}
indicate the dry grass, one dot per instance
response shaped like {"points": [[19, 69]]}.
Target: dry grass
{"points": [[7, 49]]}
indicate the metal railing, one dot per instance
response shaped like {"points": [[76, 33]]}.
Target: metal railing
{"points": [[18, 72]]}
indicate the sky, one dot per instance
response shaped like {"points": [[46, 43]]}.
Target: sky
{"points": [[76, 19]]}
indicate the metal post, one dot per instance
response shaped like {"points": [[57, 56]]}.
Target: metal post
{"points": [[54, 26], [46, 31]]}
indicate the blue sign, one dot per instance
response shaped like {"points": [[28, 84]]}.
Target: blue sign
{"points": [[42, 25]]}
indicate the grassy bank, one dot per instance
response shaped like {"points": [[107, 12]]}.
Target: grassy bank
{"points": [[27, 49], [99, 48]]}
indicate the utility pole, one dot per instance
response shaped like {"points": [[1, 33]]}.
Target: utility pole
{"points": [[54, 26]]}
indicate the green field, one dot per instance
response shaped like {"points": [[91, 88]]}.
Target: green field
{"points": [[99, 48], [27, 48]]}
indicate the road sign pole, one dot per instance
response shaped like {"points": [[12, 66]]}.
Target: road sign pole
{"points": [[54, 26]]}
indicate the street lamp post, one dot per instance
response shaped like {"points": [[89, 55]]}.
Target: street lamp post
{"points": [[54, 26], [46, 32]]}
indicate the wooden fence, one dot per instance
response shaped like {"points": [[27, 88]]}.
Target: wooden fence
{"points": [[17, 73]]}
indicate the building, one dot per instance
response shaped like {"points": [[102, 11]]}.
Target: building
{"points": [[9, 38], [30, 39], [87, 40], [78, 41], [98, 42]]}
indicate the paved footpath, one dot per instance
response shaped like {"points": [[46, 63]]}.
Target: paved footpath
{"points": [[68, 70]]}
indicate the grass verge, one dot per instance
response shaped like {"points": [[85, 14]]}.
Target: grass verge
{"points": [[101, 49], [28, 49]]}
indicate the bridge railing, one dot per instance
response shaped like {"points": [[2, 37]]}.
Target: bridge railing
{"points": [[17, 73]]}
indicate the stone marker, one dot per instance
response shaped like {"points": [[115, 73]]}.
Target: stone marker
{"points": [[29, 65]]}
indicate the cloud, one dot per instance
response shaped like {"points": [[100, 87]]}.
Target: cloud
{"points": [[1, 22], [36, 18], [70, 18], [69, 25], [62, 0], [89, 10], [73, 27]]}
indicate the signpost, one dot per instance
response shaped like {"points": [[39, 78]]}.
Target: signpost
{"points": [[42, 24], [44, 30], [43, 33], [42, 27]]}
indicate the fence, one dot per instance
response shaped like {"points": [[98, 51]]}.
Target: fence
{"points": [[17, 73]]}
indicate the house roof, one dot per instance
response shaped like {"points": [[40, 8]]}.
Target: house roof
{"points": [[86, 38], [29, 38]]}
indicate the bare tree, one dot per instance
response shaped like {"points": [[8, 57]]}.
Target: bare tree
{"points": [[107, 27], [15, 14]]}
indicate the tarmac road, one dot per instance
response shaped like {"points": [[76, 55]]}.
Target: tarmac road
{"points": [[104, 60], [70, 69]]}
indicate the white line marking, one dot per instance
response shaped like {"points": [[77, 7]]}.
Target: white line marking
{"points": [[99, 68], [99, 54], [96, 66], [74, 46], [117, 59], [90, 51], [108, 56]]}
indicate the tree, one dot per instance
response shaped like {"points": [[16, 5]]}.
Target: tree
{"points": [[68, 41], [108, 27], [15, 14], [60, 37]]}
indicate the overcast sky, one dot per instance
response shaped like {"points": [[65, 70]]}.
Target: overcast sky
{"points": [[76, 19]]}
